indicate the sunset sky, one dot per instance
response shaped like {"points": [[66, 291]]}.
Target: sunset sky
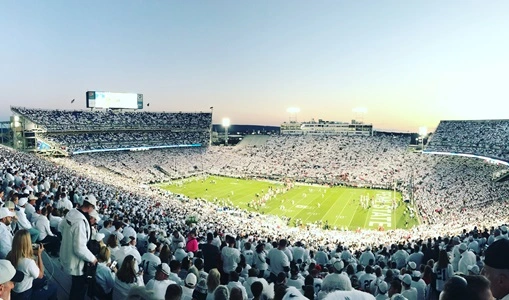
{"points": [[410, 63]]}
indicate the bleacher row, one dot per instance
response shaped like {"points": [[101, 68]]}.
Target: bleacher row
{"points": [[80, 131], [488, 138]]}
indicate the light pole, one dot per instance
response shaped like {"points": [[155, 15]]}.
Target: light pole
{"points": [[226, 124], [423, 131], [293, 111]]}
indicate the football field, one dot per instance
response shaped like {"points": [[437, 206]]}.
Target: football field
{"points": [[335, 207]]}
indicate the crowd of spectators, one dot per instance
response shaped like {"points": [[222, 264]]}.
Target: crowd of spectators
{"points": [[127, 139], [79, 130], [478, 137], [98, 120], [145, 245], [442, 186]]}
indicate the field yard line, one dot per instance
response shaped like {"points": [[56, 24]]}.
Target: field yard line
{"points": [[327, 212], [353, 215], [348, 202], [328, 196]]}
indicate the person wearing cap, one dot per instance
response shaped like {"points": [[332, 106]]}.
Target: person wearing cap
{"points": [[496, 268], [30, 207], [150, 261], [180, 253], [419, 284], [407, 290], [8, 277], [188, 288], [74, 254], [467, 258], [23, 222], [161, 281], [381, 291], [5, 231]]}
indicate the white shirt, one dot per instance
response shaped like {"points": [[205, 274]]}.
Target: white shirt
{"points": [[121, 289], [6, 240], [231, 257], [278, 260], [237, 284], [31, 271], [42, 225], [105, 277], [54, 221], [22, 219], [159, 287], [150, 262], [187, 293]]}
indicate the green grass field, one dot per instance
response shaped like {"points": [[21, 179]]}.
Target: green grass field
{"points": [[339, 207]]}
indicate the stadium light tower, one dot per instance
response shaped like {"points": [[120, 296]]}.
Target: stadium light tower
{"points": [[423, 131], [293, 111], [226, 124]]}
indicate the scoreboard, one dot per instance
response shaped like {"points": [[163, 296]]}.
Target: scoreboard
{"points": [[114, 100]]}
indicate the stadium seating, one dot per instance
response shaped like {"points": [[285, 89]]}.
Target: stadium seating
{"points": [[85, 131], [486, 138]]}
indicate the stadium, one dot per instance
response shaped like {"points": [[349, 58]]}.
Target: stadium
{"points": [[340, 186]]}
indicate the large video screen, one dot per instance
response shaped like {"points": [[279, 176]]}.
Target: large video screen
{"points": [[114, 100]]}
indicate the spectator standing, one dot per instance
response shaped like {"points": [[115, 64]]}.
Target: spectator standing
{"points": [[74, 254]]}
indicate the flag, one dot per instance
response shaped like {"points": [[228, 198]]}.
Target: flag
{"points": [[72, 101]]}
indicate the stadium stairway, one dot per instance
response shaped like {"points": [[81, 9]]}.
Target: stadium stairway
{"points": [[55, 273]]}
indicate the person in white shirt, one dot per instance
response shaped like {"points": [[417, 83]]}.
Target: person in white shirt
{"points": [[180, 253], [467, 258], [400, 257], [161, 281], [230, 255], [23, 222], [367, 257], [381, 291], [150, 261], [174, 271], [234, 283], [30, 208], [51, 241], [248, 253], [8, 278], [366, 279], [54, 221], [127, 276], [105, 274], [5, 231], [278, 261], [176, 238], [188, 288], [106, 230], [419, 284], [407, 290]]}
